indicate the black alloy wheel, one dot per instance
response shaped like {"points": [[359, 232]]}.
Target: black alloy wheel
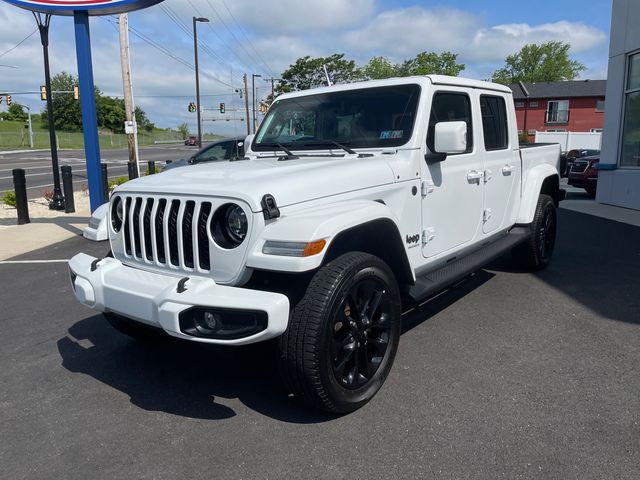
{"points": [[361, 332], [343, 334]]}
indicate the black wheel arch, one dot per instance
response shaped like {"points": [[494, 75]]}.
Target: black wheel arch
{"points": [[551, 187], [380, 238]]}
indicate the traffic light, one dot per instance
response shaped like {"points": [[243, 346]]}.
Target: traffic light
{"points": [[8, 100], [221, 107], [0, 99], [76, 92], [192, 107], [43, 93]]}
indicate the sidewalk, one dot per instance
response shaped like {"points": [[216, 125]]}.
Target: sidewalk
{"points": [[47, 227]]}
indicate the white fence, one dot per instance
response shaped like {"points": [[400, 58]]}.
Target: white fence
{"points": [[570, 140]]}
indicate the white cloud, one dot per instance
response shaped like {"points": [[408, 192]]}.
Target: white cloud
{"points": [[495, 43]]}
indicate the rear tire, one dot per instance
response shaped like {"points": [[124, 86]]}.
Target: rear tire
{"points": [[343, 334], [131, 328], [535, 254], [591, 191]]}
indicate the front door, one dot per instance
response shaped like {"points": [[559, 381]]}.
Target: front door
{"points": [[452, 189]]}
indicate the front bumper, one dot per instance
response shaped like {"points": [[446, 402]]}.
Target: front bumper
{"points": [[107, 285]]}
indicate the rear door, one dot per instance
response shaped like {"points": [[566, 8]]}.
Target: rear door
{"points": [[452, 189], [502, 170]]}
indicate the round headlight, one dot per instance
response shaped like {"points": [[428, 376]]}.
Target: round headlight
{"points": [[237, 224], [229, 226], [117, 213]]}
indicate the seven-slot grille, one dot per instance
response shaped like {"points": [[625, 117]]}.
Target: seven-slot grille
{"points": [[579, 166], [168, 232]]}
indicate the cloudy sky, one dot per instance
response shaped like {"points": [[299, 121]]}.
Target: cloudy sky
{"points": [[265, 36]]}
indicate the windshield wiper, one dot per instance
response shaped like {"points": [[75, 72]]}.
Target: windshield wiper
{"points": [[327, 143], [290, 155]]}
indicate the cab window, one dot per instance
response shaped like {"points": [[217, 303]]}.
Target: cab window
{"points": [[450, 107], [494, 122]]}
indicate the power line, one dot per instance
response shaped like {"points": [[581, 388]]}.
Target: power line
{"points": [[222, 41], [231, 32], [242, 31], [19, 43], [167, 52]]}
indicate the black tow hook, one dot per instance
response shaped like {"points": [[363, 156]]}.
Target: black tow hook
{"points": [[182, 285]]}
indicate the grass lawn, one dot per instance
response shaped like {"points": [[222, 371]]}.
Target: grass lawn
{"points": [[14, 135]]}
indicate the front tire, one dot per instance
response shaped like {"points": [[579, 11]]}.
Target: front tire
{"points": [[343, 334], [535, 253]]}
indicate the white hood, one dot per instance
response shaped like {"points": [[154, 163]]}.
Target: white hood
{"points": [[289, 181]]}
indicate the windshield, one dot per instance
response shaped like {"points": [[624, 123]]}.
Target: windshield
{"points": [[367, 118]]}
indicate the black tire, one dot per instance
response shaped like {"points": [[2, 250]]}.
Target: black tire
{"points": [[535, 254], [591, 191], [343, 334], [133, 329]]}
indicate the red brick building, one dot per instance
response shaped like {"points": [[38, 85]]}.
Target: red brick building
{"points": [[573, 106]]}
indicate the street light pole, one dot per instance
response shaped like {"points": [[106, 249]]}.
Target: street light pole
{"points": [[195, 50], [43, 21], [253, 88]]}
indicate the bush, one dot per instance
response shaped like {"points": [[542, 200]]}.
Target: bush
{"points": [[118, 181], [524, 139], [9, 198]]}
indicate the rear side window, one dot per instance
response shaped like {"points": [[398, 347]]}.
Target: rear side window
{"points": [[450, 107], [494, 122]]}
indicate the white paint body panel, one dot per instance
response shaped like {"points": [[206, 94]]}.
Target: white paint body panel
{"points": [[319, 197], [97, 229]]}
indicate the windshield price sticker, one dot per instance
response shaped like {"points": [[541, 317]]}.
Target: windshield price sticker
{"points": [[391, 134]]}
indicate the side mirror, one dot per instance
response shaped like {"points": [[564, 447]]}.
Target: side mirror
{"points": [[450, 137]]}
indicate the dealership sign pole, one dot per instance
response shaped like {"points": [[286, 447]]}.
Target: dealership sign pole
{"points": [[81, 10]]}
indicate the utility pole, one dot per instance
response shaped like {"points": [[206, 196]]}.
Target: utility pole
{"points": [[246, 103], [195, 51], [127, 86], [273, 86], [253, 98]]}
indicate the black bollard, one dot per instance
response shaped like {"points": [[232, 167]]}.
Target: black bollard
{"points": [[151, 167], [105, 181], [167, 162], [20, 186], [67, 186], [133, 170]]}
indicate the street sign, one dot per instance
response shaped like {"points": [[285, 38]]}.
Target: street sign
{"points": [[93, 7], [129, 127]]}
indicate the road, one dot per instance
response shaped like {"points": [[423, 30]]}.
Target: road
{"points": [[508, 375], [38, 165]]}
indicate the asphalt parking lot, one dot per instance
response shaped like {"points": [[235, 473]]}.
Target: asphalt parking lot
{"points": [[508, 375]]}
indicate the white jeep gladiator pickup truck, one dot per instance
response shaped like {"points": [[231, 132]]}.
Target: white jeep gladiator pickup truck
{"points": [[352, 202]]}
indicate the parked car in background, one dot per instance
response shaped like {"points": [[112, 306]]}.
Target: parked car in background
{"points": [[226, 149], [584, 174], [191, 141], [567, 158]]}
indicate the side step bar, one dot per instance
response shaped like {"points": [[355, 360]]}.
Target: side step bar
{"points": [[437, 280]]}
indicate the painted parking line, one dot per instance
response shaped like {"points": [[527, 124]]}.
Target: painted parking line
{"points": [[29, 262]]}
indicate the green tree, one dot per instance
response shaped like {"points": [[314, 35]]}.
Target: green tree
{"points": [[378, 68], [66, 110], [183, 129], [307, 72], [16, 112], [431, 63], [547, 62], [142, 120], [110, 111]]}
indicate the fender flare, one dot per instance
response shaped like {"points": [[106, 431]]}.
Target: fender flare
{"points": [[533, 185], [325, 222]]}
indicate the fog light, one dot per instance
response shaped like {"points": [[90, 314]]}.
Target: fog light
{"points": [[210, 320], [224, 324]]}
